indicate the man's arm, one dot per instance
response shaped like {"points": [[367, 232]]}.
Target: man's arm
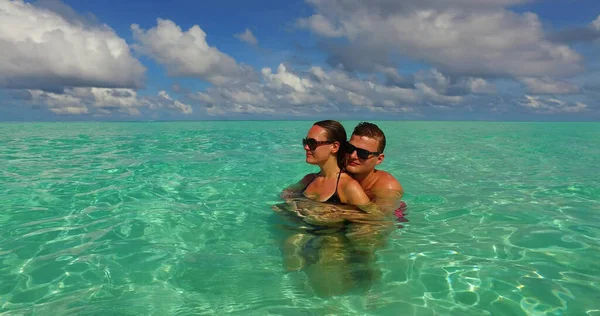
{"points": [[330, 213], [386, 193]]}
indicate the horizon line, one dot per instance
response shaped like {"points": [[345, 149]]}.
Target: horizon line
{"points": [[299, 120]]}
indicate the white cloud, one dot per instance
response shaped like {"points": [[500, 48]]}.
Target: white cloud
{"points": [[104, 101], [247, 37], [250, 109], [316, 89], [443, 84], [285, 78], [479, 85], [320, 25], [245, 97], [60, 103], [43, 50], [400, 95], [541, 105], [435, 96], [279, 92], [188, 54], [548, 85], [596, 23], [165, 101], [121, 98], [464, 38], [357, 99]]}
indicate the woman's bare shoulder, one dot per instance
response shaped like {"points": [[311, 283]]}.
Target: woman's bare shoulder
{"points": [[348, 181], [307, 178]]}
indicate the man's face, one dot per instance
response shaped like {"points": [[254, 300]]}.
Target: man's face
{"points": [[359, 165]]}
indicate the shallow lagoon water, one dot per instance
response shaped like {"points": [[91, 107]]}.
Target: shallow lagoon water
{"points": [[175, 218]]}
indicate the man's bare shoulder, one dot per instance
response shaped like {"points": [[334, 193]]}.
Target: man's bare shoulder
{"points": [[385, 180]]}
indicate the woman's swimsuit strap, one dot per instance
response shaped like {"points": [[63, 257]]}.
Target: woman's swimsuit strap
{"points": [[334, 198]]}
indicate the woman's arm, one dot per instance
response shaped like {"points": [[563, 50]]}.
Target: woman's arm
{"points": [[353, 193]]}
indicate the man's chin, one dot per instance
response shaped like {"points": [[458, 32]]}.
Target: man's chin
{"points": [[352, 169]]}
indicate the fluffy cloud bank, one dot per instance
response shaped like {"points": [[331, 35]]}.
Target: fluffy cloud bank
{"points": [[44, 50], [54, 57], [543, 105], [320, 90], [459, 37], [549, 86], [463, 51], [102, 101], [188, 54]]}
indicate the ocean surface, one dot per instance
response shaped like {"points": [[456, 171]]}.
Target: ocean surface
{"points": [[175, 219]]}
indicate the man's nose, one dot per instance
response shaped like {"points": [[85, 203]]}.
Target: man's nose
{"points": [[354, 155]]}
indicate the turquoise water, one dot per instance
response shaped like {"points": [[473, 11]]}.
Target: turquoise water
{"points": [[175, 219]]}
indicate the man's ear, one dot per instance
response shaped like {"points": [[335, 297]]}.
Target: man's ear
{"points": [[380, 158]]}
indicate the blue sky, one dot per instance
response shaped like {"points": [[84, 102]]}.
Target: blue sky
{"points": [[342, 59]]}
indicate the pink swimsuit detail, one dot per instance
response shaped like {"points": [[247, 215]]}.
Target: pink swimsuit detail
{"points": [[399, 212]]}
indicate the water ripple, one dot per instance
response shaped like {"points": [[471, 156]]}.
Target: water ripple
{"points": [[174, 218]]}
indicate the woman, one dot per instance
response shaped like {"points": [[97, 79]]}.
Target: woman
{"points": [[322, 249], [323, 146]]}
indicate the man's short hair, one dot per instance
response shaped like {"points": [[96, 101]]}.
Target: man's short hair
{"points": [[372, 131]]}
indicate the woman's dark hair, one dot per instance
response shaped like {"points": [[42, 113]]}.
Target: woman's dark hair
{"points": [[336, 132]]}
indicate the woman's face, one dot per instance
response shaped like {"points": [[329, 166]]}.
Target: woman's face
{"points": [[320, 151]]}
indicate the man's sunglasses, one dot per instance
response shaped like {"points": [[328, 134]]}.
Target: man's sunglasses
{"points": [[313, 143], [361, 153]]}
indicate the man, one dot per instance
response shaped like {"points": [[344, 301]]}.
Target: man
{"points": [[365, 150]]}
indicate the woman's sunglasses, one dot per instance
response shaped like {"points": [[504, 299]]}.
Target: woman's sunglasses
{"points": [[313, 143], [361, 153]]}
